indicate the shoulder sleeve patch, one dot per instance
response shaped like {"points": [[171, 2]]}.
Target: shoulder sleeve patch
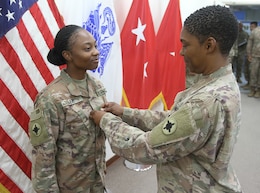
{"points": [[174, 128], [37, 128]]}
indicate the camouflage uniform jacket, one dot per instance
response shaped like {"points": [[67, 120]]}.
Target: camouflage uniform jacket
{"points": [[68, 149], [253, 45], [242, 41], [192, 144]]}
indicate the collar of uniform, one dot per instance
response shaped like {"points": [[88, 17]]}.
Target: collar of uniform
{"points": [[206, 79], [202, 82], [72, 87], [223, 71]]}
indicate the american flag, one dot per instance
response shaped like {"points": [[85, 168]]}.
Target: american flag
{"points": [[27, 30]]}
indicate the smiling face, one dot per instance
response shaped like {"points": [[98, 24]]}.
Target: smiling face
{"points": [[82, 54], [193, 52]]}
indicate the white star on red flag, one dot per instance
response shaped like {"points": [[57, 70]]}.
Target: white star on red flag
{"points": [[172, 53], [145, 72], [139, 31]]}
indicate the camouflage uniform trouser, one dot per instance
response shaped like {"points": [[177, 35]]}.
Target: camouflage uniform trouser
{"points": [[237, 63], [247, 70], [255, 72]]}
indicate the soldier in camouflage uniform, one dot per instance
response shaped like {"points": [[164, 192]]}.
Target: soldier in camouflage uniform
{"points": [[253, 53], [239, 59], [68, 148], [253, 25], [192, 144]]}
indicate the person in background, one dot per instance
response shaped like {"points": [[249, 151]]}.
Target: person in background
{"points": [[191, 144], [253, 53], [68, 148], [239, 59], [253, 25], [233, 54]]}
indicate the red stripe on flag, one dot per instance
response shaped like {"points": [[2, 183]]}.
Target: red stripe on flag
{"points": [[14, 62], [42, 25], [15, 152], [8, 183], [56, 14], [34, 53], [14, 107]]}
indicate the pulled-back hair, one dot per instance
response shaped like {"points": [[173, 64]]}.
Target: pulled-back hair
{"points": [[62, 42], [214, 21]]}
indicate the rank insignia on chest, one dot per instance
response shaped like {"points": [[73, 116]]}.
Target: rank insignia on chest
{"points": [[101, 91], [169, 127]]}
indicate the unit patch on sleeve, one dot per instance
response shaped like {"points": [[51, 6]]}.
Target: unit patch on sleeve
{"points": [[174, 128], [169, 126], [37, 128]]}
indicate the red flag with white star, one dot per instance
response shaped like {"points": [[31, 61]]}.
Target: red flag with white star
{"points": [[168, 58], [137, 42]]}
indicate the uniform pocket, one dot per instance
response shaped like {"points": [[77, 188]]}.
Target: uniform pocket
{"points": [[77, 120]]}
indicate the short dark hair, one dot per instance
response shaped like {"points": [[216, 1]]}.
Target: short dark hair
{"points": [[254, 23], [214, 21]]}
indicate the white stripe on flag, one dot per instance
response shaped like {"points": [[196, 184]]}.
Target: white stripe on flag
{"points": [[10, 168], [25, 58], [15, 86], [46, 12], [15, 131], [39, 41]]}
